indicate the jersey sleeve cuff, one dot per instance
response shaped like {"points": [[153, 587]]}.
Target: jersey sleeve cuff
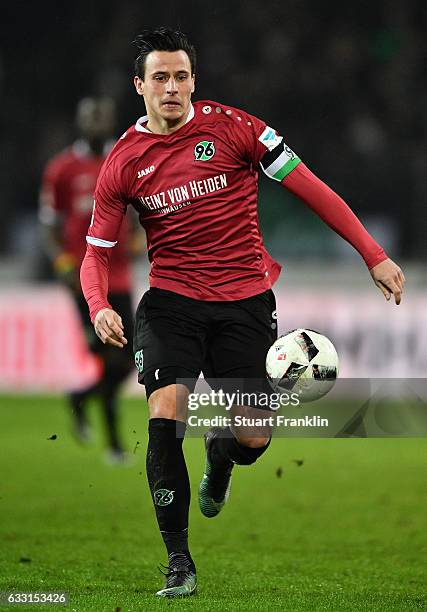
{"points": [[371, 262], [95, 309]]}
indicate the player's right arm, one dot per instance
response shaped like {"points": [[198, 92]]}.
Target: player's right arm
{"points": [[108, 213]]}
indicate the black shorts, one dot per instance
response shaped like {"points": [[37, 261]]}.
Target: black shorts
{"points": [[179, 337]]}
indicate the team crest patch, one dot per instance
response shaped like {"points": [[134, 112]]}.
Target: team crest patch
{"points": [[204, 150], [163, 497], [139, 361]]}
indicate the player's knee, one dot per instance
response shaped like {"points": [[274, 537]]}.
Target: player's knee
{"points": [[162, 405], [253, 442], [169, 402], [163, 412]]}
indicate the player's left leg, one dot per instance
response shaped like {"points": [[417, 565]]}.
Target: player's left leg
{"points": [[245, 331]]}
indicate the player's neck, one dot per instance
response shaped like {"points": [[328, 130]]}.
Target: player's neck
{"points": [[160, 125]]}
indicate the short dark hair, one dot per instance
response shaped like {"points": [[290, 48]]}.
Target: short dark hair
{"points": [[162, 39]]}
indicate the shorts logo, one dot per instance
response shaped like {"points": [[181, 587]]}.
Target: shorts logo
{"points": [[163, 497], [274, 319], [204, 150], [269, 138], [139, 361]]}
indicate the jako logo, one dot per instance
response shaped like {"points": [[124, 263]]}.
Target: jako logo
{"points": [[148, 170]]}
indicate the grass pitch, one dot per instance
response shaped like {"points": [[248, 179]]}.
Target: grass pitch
{"points": [[334, 524]]}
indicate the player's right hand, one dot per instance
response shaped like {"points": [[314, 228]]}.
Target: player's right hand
{"points": [[109, 327]]}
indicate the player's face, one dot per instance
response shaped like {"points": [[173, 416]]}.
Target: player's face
{"points": [[167, 88]]}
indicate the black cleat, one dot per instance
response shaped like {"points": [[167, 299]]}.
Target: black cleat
{"points": [[181, 580], [214, 488]]}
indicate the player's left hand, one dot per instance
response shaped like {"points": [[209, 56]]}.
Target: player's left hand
{"points": [[389, 278]]}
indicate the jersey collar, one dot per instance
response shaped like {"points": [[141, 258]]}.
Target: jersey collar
{"points": [[139, 125]]}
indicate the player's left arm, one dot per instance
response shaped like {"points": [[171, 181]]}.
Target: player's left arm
{"points": [[389, 278], [264, 147], [332, 209]]}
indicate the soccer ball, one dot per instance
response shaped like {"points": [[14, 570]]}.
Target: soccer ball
{"points": [[304, 362]]}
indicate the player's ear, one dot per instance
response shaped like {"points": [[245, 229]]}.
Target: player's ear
{"points": [[193, 78], [139, 85]]}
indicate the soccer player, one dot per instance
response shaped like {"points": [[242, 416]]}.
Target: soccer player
{"points": [[191, 171], [66, 202]]}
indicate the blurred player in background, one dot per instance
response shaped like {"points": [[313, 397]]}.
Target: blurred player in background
{"points": [[66, 203], [191, 171]]}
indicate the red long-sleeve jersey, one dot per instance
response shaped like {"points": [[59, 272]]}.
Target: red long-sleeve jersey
{"points": [[196, 194]]}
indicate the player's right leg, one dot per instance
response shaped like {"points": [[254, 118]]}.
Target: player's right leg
{"points": [[169, 345], [169, 485]]}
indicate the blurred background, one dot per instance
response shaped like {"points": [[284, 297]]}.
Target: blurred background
{"points": [[346, 85]]}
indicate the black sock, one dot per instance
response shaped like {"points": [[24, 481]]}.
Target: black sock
{"points": [[168, 480], [227, 450], [181, 560]]}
